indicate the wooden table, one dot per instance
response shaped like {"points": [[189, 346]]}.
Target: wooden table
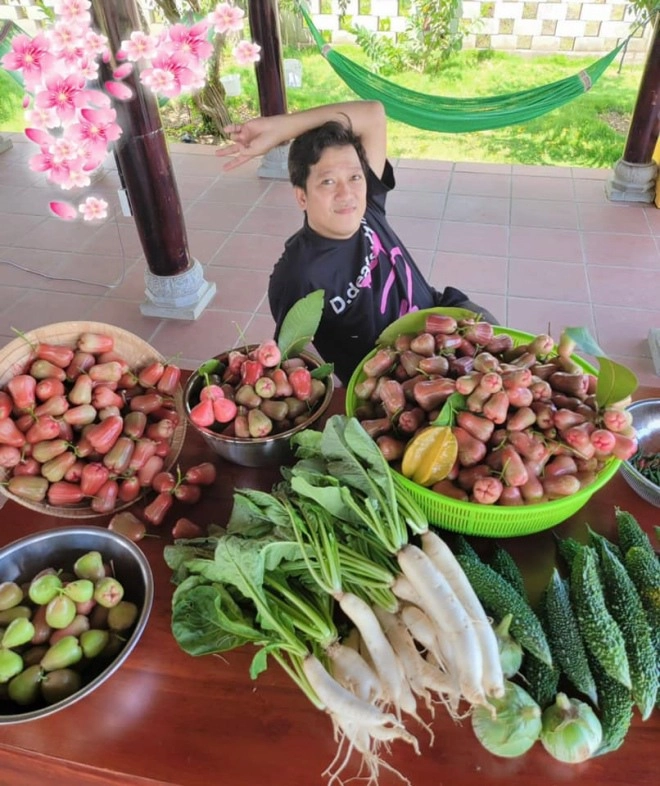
{"points": [[167, 718]]}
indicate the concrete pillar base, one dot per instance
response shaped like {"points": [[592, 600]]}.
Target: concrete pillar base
{"points": [[274, 164], [632, 182], [177, 297], [5, 143]]}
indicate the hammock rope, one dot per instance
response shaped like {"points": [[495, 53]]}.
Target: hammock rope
{"points": [[459, 115]]}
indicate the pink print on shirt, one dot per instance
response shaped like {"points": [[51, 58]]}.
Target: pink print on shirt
{"points": [[395, 256]]}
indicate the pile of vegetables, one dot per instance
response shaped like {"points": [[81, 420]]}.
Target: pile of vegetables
{"points": [[337, 577], [458, 407], [79, 426], [595, 633], [325, 576]]}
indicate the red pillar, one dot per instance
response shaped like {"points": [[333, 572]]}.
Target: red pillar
{"points": [[265, 30], [142, 154], [645, 123]]}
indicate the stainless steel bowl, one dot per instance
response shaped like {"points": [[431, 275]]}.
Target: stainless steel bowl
{"points": [[59, 548], [646, 420], [256, 451]]}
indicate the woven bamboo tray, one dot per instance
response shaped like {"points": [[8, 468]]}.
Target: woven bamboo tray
{"points": [[16, 357]]}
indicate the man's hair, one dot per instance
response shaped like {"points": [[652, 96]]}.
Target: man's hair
{"points": [[306, 149]]}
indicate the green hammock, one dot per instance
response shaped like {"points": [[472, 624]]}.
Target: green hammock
{"points": [[459, 115]]}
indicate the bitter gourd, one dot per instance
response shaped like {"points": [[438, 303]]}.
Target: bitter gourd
{"points": [[630, 533], [499, 598], [644, 570], [568, 548], [625, 606], [506, 566], [615, 709], [540, 680], [599, 631], [564, 637]]}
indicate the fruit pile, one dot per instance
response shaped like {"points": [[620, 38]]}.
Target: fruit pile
{"points": [[460, 409], [80, 426], [255, 393], [60, 628]]}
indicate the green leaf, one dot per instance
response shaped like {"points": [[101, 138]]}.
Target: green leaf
{"points": [[210, 367], [259, 663], [615, 382], [415, 322], [256, 513], [584, 341], [201, 628], [300, 324], [323, 371], [447, 415]]}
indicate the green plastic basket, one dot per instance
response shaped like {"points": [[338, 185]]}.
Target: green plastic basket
{"points": [[471, 518]]}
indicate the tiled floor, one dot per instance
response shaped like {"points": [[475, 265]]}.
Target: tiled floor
{"points": [[541, 247]]}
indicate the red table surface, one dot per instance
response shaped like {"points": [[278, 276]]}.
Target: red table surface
{"points": [[168, 718]]}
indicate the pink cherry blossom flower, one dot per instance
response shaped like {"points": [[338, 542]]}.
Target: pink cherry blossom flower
{"points": [[94, 44], [245, 52], [78, 178], [42, 118], [191, 40], [64, 94], [93, 208], [97, 129], [140, 46], [159, 80], [226, 18], [73, 10], [88, 68], [32, 56], [58, 172], [64, 210], [169, 74], [64, 150], [67, 39]]}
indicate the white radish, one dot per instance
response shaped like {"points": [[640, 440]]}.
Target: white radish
{"points": [[442, 605], [423, 631], [358, 722], [445, 561], [388, 668], [408, 654], [342, 704], [404, 590], [351, 671]]}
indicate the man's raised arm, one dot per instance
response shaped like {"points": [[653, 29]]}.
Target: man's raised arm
{"points": [[261, 134]]}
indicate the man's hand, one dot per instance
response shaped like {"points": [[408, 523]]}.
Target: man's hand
{"points": [[248, 140]]}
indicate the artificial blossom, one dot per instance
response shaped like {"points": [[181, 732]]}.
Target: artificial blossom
{"points": [[70, 114]]}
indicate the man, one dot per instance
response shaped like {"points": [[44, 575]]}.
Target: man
{"points": [[341, 176]]}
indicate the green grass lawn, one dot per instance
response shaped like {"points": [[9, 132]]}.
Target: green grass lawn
{"points": [[590, 131], [11, 96]]}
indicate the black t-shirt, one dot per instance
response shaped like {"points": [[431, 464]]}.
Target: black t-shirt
{"points": [[369, 279]]}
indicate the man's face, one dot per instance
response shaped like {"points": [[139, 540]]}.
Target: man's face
{"points": [[336, 194]]}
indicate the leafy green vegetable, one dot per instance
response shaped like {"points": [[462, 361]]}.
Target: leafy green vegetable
{"points": [[300, 324], [206, 619]]}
